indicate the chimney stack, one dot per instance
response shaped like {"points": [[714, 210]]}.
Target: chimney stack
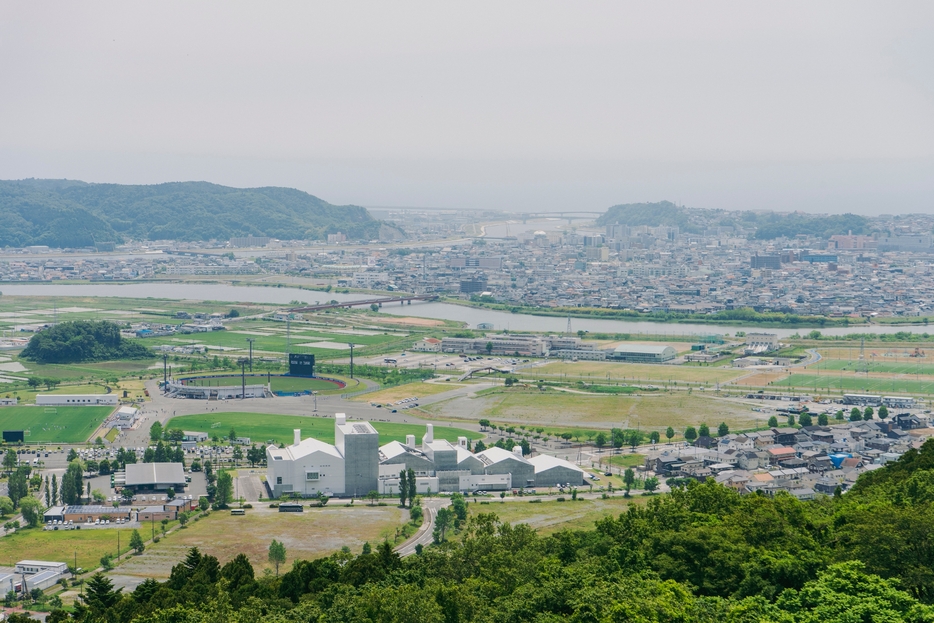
{"points": [[429, 434], [298, 436], [410, 441], [517, 450]]}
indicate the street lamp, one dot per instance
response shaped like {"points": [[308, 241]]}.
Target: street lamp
{"points": [[251, 340], [242, 361], [315, 396], [351, 344]]}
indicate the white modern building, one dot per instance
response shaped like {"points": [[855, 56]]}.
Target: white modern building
{"points": [[76, 400]]}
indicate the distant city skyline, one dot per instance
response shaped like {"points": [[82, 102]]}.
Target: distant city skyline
{"points": [[530, 106]]}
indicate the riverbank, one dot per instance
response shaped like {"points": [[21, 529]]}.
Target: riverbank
{"points": [[743, 317]]}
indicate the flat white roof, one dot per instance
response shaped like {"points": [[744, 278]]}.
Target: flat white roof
{"points": [[306, 447], [154, 473], [544, 462]]}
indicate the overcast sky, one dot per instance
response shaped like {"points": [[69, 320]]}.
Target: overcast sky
{"points": [[818, 106]]}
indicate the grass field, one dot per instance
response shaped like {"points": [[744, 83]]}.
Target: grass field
{"points": [[902, 366], [857, 383], [549, 517], [311, 534], [652, 411], [61, 545], [58, 425], [409, 390], [262, 427], [633, 372], [279, 383]]}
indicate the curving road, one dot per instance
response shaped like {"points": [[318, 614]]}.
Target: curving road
{"points": [[425, 534]]}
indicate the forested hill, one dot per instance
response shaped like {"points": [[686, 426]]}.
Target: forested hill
{"points": [[63, 213], [767, 225]]}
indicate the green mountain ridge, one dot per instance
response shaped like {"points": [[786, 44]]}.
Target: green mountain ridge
{"points": [[65, 213]]}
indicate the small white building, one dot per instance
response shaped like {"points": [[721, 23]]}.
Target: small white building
{"points": [[38, 566], [427, 345], [76, 400]]}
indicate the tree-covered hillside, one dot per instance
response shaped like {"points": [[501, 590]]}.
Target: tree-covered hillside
{"points": [[83, 340], [650, 214], [704, 554], [64, 213]]}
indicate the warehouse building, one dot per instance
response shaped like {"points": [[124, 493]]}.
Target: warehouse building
{"points": [[155, 476], [85, 513], [643, 353], [551, 471]]}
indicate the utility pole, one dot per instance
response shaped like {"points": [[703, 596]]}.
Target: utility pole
{"points": [[242, 363], [351, 344], [165, 372], [251, 340]]}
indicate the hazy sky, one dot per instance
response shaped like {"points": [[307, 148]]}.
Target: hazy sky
{"points": [[820, 106]]}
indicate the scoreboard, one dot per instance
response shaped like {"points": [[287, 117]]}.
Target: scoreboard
{"points": [[301, 365]]}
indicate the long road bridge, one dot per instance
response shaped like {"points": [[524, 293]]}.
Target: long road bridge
{"points": [[402, 300]]}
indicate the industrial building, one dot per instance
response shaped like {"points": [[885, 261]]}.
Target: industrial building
{"points": [[84, 513], [155, 476], [643, 353], [356, 464], [757, 343]]}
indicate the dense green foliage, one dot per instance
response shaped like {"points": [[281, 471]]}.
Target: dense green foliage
{"points": [[771, 225], [83, 340], [768, 225], [650, 214], [701, 554], [62, 213]]}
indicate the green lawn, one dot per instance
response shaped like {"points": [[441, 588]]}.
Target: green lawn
{"points": [[63, 545], [905, 366], [54, 424], [263, 427], [279, 383], [857, 383]]}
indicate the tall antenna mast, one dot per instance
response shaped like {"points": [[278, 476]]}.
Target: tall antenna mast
{"points": [[568, 331]]}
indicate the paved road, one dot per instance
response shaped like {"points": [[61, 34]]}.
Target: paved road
{"points": [[425, 534]]}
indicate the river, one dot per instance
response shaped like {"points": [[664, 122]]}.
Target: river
{"points": [[445, 311]]}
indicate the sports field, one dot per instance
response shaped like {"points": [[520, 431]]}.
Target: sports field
{"points": [[632, 372], [263, 427], [279, 383], [902, 366], [409, 390], [63, 546], [54, 424], [858, 383]]}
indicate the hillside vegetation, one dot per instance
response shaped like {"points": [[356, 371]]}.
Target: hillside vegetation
{"points": [[82, 341], [63, 213], [768, 225], [701, 554]]}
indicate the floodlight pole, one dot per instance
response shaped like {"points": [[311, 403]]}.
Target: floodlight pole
{"points": [[243, 379], [351, 344], [251, 340], [165, 372]]}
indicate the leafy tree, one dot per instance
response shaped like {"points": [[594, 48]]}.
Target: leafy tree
{"points": [[629, 478], [479, 446], [883, 412], [149, 456], [669, 433], [867, 414], [654, 437], [651, 483], [31, 508], [635, 438], [773, 422], [723, 430], [34, 382], [18, 484], [373, 497], [10, 461], [443, 520], [277, 554], [600, 440], [155, 431], [703, 431], [791, 419], [459, 507], [413, 487], [690, 434], [159, 456], [6, 506], [838, 415], [237, 455], [805, 419], [822, 419], [232, 435], [136, 542], [224, 492]]}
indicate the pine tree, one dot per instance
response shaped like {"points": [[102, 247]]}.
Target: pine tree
{"points": [[413, 489], [136, 542], [403, 488]]}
